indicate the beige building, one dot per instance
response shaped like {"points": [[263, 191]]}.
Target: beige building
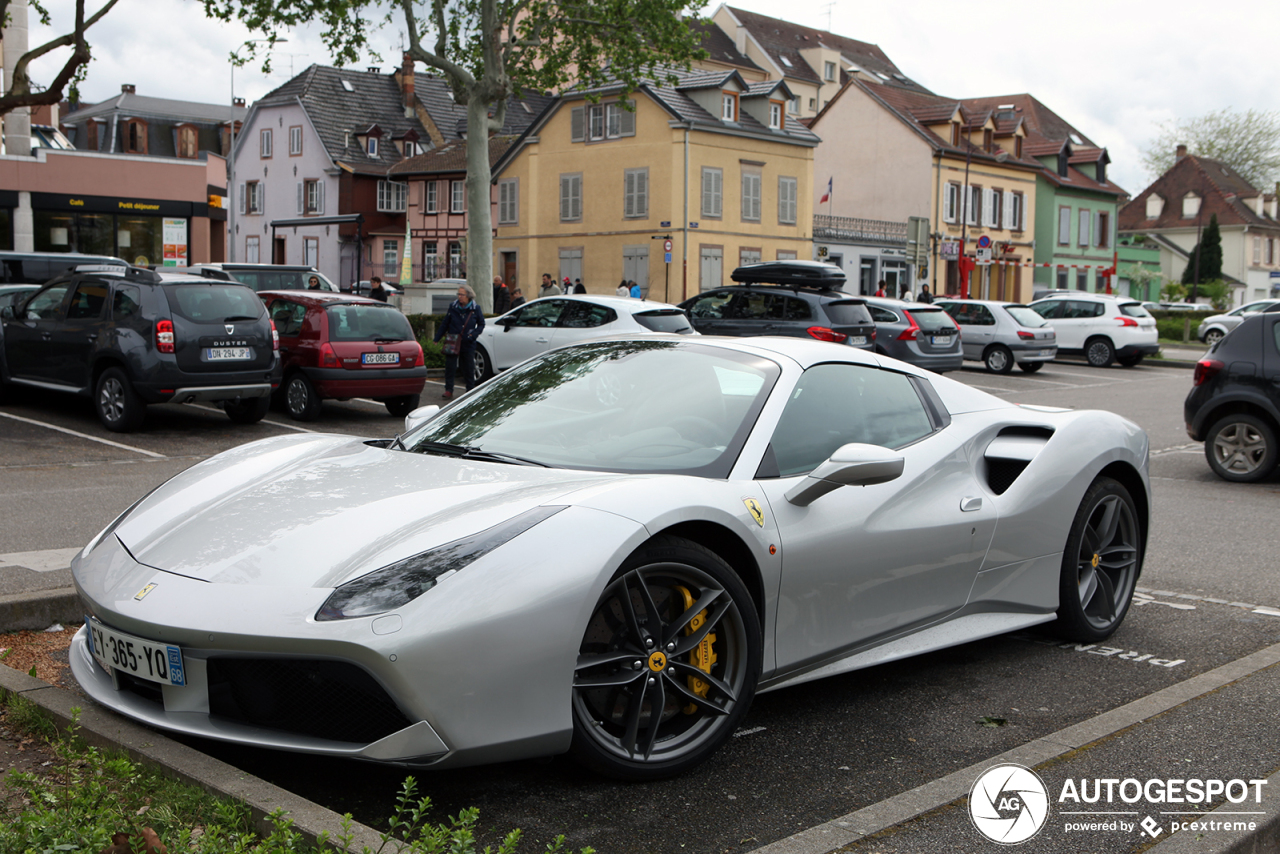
{"points": [[714, 165]]}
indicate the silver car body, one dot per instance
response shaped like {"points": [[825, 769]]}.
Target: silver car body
{"points": [[234, 557], [1221, 324], [987, 323], [938, 350]]}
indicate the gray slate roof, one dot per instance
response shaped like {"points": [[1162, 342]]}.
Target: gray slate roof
{"points": [[144, 106]]}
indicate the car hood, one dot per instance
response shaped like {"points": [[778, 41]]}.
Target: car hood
{"points": [[316, 511]]}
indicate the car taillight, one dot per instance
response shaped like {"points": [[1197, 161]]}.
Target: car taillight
{"points": [[164, 336], [418, 358], [873, 335], [1024, 334], [1206, 369], [911, 333], [328, 358], [275, 337], [1127, 321], [822, 333]]}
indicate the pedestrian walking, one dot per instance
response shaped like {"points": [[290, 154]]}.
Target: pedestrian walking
{"points": [[635, 290], [624, 290], [906, 294], [925, 296], [501, 298], [376, 290], [880, 288], [462, 324], [517, 298], [578, 287], [549, 287]]}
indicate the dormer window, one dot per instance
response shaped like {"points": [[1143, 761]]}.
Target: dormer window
{"points": [[1155, 206], [1190, 205], [187, 141], [371, 146], [1017, 147], [729, 106], [955, 134], [988, 138], [1102, 171], [829, 72], [775, 115], [135, 136]]}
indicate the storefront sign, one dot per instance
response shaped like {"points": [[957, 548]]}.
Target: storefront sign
{"points": [[950, 250], [110, 204], [175, 242]]}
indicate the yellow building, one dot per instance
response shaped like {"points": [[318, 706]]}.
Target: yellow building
{"points": [[593, 190]]}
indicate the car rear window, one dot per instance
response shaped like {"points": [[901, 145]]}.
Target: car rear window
{"points": [[847, 313], [664, 320], [280, 280], [932, 320], [367, 323], [1133, 309], [213, 303], [1025, 316]]}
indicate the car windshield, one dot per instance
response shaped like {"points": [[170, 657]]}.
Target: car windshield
{"points": [[1026, 317], [932, 320], [367, 323], [664, 320], [213, 303], [674, 407], [1133, 309]]}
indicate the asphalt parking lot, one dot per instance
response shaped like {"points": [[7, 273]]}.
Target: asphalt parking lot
{"points": [[811, 754]]}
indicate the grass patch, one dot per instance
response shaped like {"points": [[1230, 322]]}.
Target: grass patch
{"points": [[91, 800]]}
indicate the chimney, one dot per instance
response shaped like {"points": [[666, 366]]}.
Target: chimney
{"points": [[406, 84], [237, 102], [1182, 152], [129, 89], [373, 69]]}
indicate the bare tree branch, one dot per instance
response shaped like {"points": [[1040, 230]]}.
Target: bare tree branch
{"points": [[421, 54], [20, 94]]}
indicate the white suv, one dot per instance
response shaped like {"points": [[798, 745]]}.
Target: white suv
{"points": [[1102, 327]]}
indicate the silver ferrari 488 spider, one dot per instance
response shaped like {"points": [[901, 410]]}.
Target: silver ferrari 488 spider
{"points": [[609, 550]]}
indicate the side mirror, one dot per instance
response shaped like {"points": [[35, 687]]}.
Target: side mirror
{"points": [[506, 322], [854, 464], [420, 416], [7, 312]]}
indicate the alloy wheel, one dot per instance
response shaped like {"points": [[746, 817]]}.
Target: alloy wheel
{"points": [[111, 399], [1106, 567], [1240, 448]]}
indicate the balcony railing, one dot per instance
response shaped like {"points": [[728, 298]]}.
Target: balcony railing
{"points": [[860, 230]]}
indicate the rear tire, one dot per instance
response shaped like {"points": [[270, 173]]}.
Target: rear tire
{"points": [[1241, 448], [998, 359], [402, 406], [482, 364], [300, 398], [248, 411], [1100, 564], [1099, 352], [1030, 367], [119, 408]]}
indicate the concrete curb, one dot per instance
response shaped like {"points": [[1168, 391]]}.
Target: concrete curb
{"points": [[105, 729], [40, 609], [1264, 840]]}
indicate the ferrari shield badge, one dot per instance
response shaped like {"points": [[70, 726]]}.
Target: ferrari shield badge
{"points": [[756, 511], [144, 591]]}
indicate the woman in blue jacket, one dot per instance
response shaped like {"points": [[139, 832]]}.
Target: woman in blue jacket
{"points": [[465, 320]]}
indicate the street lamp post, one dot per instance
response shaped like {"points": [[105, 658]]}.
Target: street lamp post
{"points": [[231, 152]]}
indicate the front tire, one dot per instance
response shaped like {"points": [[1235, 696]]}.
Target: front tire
{"points": [[1099, 352], [300, 398], [482, 365], [248, 411], [402, 406], [668, 663], [1213, 336], [119, 407], [1030, 367], [1100, 564], [998, 359], [1241, 448]]}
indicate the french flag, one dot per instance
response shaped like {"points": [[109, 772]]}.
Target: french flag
{"points": [[827, 195]]}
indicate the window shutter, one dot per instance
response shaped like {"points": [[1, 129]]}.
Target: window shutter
{"points": [[989, 208], [576, 118], [320, 197], [717, 193], [301, 201], [629, 194], [642, 182], [576, 185], [241, 193], [706, 192], [629, 120], [1097, 236], [1008, 210]]}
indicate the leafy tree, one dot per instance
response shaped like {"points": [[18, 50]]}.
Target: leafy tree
{"points": [[491, 50], [1248, 142], [1205, 263], [1140, 280], [22, 92], [1218, 292], [1172, 291]]}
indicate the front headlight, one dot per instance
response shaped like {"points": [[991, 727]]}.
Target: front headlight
{"points": [[400, 583]]}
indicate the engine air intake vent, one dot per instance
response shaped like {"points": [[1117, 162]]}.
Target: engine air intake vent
{"points": [[1002, 473], [1011, 452]]}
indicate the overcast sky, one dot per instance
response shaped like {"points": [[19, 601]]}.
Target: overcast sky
{"points": [[1112, 69]]}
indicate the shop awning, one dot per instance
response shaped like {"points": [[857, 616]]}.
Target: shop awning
{"points": [[318, 220]]}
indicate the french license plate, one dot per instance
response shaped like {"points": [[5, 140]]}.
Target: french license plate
{"points": [[380, 358], [942, 340], [149, 660], [857, 339], [228, 354]]}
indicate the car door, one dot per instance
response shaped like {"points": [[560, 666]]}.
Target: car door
{"points": [[1052, 310], [582, 320], [530, 332], [75, 337], [865, 563], [980, 333], [28, 338], [288, 317]]}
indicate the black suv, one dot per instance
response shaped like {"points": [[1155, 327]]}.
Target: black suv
{"points": [[1234, 404], [128, 337], [796, 298]]}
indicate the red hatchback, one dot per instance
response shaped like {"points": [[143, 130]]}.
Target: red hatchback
{"points": [[337, 346]]}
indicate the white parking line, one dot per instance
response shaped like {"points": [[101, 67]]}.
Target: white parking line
{"points": [[84, 436], [263, 421]]}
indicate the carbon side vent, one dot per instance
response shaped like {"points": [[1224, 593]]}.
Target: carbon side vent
{"points": [[1011, 452]]}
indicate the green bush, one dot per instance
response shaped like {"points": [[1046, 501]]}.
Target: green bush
{"points": [[432, 352]]}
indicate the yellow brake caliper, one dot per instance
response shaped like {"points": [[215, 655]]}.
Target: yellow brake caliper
{"points": [[702, 656]]}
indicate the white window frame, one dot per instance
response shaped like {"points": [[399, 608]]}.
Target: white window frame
{"points": [[393, 197], [596, 121], [254, 197], [788, 194], [371, 146], [571, 197], [829, 72], [433, 199], [430, 259], [391, 258], [951, 202], [995, 207], [314, 193], [712, 192], [252, 249], [1017, 211], [619, 120], [635, 193], [1006, 211], [458, 196], [295, 140], [752, 194], [311, 251], [509, 201], [728, 106], [775, 115], [973, 205], [264, 143]]}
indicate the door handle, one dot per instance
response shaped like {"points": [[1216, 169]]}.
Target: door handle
{"points": [[45, 336], [970, 504], [92, 336], [541, 340]]}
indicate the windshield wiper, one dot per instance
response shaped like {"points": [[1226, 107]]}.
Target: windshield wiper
{"points": [[397, 441], [474, 453]]}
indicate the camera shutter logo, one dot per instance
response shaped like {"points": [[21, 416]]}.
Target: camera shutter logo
{"points": [[1008, 804]]}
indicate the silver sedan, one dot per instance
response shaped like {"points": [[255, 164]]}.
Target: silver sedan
{"points": [[999, 334], [607, 550]]}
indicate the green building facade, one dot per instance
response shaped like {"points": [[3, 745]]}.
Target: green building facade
{"points": [[1076, 212]]}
